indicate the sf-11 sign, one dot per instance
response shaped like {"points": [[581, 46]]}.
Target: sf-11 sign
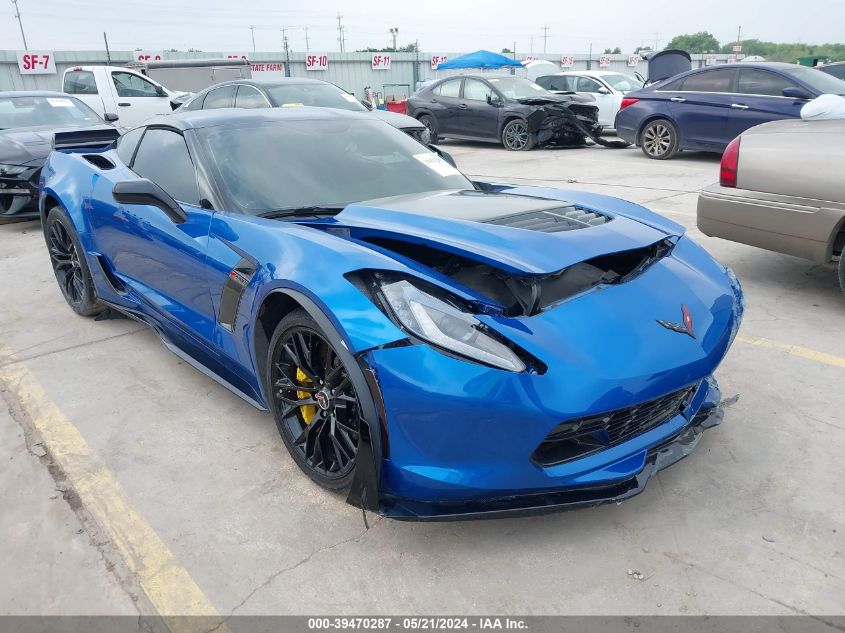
{"points": [[381, 62], [36, 63], [436, 60], [317, 62]]}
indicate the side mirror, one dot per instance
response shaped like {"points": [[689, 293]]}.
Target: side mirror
{"points": [[110, 117], [160, 92], [366, 104], [143, 191], [493, 100], [443, 154], [603, 91], [796, 93]]}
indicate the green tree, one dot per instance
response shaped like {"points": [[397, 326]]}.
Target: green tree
{"points": [[506, 51], [615, 51], [701, 42]]}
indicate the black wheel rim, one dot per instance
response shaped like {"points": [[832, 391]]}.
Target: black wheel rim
{"points": [[65, 260], [516, 136], [316, 402]]}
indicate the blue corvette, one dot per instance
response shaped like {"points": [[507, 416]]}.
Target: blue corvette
{"points": [[434, 347], [706, 108]]}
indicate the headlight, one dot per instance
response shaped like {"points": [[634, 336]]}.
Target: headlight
{"points": [[447, 327], [12, 170]]}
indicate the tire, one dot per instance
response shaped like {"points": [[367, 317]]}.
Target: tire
{"points": [[428, 121], [659, 139], [314, 403], [842, 270], [69, 264], [515, 136]]}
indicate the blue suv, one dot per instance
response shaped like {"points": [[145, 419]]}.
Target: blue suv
{"points": [[706, 108]]}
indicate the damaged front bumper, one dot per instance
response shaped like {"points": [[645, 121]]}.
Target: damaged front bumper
{"points": [[19, 196], [567, 124]]}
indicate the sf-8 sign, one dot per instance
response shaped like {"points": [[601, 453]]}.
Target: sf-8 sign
{"points": [[36, 63], [316, 62], [381, 62]]}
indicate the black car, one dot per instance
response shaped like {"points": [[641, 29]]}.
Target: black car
{"points": [[837, 69], [27, 123], [504, 109], [292, 92]]}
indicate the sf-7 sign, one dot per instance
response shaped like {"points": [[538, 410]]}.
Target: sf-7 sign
{"points": [[381, 62], [36, 63]]}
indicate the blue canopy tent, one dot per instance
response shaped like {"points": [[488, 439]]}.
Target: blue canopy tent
{"points": [[480, 59]]}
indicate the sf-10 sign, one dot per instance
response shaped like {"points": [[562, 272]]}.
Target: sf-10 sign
{"points": [[36, 63], [567, 61], [436, 60], [381, 62], [316, 62]]}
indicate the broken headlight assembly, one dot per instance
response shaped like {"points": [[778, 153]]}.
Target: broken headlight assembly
{"points": [[444, 325]]}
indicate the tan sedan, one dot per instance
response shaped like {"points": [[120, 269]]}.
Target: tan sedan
{"points": [[782, 188]]}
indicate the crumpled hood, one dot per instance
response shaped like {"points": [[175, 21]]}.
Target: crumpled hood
{"points": [[516, 233]]}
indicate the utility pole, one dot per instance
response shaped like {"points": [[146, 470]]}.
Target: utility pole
{"points": [[20, 23], [340, 38], [108, 54], [252, 29], [307, 43], [590, 57], [394, 32], [656, 40], [287, 51], [738, 38], [531, 45], [545, 37]]}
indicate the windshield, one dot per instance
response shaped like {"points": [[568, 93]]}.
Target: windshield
{"points": [[518, 88], [622, 83], [321, 162], [37, 111], [819, 81], [319, 95]]}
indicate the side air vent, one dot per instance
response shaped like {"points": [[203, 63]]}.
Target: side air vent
{"points": [[552, 220], [99, 161]]}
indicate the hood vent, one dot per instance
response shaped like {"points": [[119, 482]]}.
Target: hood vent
{"points": [[552, 220]]}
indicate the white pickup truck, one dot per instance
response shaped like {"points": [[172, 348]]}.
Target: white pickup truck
{"points": [[121, 95]]}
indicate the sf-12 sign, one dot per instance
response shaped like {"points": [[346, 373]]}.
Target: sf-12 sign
{"points": [[36, 63], [317, 62], [381, 62], [436, 60], [567, 61], [149, 56], [604, 61]]}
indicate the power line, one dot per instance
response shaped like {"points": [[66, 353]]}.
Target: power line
{"points": [[20, 23]]}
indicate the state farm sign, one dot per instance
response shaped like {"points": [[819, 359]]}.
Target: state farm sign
{"points": [[267, 69]]}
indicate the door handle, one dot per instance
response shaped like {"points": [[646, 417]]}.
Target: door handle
{"points": [[677, 99], [124, 104], [739, 106]]}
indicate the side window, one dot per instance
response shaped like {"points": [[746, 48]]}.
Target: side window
{"points": [[131, 85], [127, 143], [751, 81], [223, 97], [451, 88], [476, 90], [163, 158], [195, 103], [585, 84], [709, 81], [249, 97], [79, 82]]}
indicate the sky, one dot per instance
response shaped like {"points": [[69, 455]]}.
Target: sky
{"points": [[439, 25]]}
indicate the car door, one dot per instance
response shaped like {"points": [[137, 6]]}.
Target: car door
{"points": [[479, 110], [759, 99], [445, 102], [701, 108], [137, 99], [607, 102], [158, 258]]}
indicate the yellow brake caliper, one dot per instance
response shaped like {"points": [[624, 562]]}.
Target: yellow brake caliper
{"points": [[307, 410]]}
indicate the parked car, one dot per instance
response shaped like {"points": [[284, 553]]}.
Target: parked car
{"points": [[608, 88], [504, 109], [704, 109], [119, 93], [295, 92], [836, 69], [27, 123], [780, 190], [436, 347]]}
